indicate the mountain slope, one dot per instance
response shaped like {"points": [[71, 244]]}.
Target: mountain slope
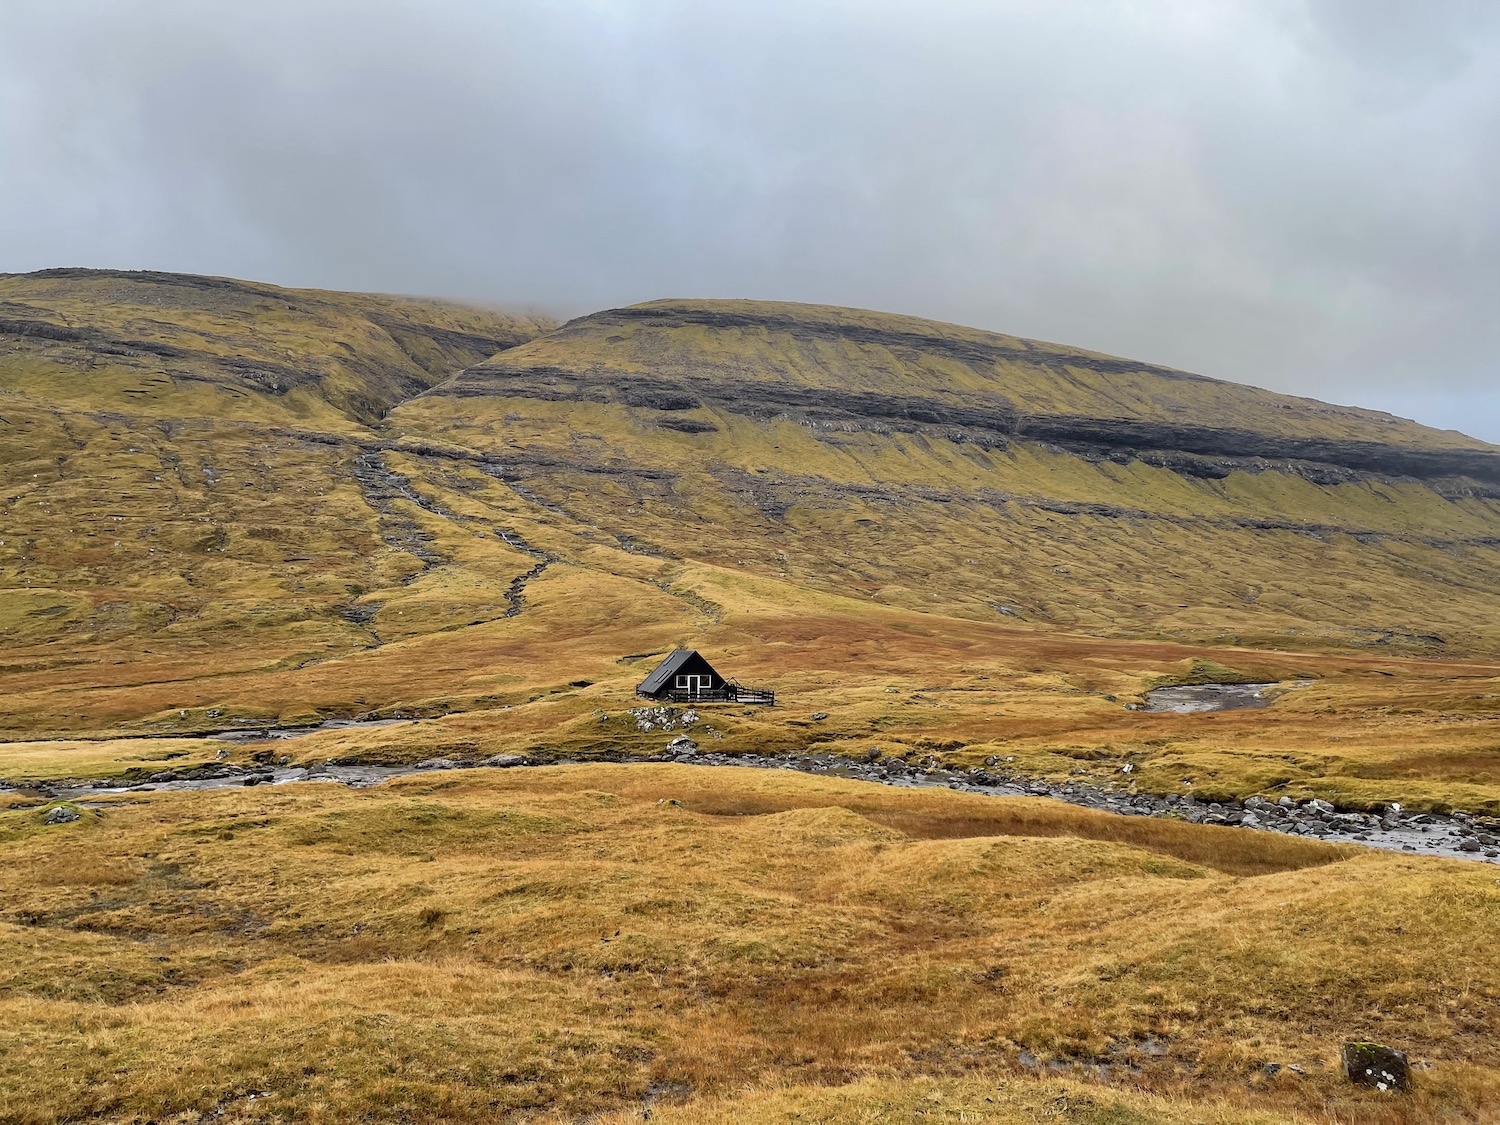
{"points": [[834, 502], [227, 506], [948, 469], [175, 345], [180, 461]]}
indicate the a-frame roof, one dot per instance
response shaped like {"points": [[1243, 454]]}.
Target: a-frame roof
{"points": [[664, 670]]}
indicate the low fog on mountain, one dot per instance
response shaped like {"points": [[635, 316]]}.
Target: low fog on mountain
{"points": [[1299, 194]]}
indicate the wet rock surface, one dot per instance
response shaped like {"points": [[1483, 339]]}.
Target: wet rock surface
{"points": [[1456, 836], [1186, 699]]}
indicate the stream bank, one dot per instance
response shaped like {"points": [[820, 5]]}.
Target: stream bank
{"points": [[1457, 836]]}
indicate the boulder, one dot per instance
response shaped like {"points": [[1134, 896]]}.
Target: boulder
{"points": [[504, 761], [436, 764], [62, 815], [818, 716], [682, 744], [1376, 1066]]}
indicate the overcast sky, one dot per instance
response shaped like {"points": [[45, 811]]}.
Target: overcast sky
{"points": [[1300, 194]]}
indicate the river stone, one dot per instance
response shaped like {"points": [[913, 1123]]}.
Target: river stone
{"points": [[436, 764], [504, 761], [682, 744], [62, 815], [1376, 1066]]}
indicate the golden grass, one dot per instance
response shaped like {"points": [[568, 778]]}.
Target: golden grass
{"points": [[1365, 731], [190, 540], [995, 1100], [563, 941], [172, 565]]}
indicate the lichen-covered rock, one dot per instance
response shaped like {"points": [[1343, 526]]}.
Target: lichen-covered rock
{"points": [[62, 815], [1375, 1065]]}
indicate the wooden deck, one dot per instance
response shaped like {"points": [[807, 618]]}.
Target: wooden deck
{"points": [[734, 693]]}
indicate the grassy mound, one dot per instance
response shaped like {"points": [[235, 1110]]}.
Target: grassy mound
{"points": [[576, 940]]}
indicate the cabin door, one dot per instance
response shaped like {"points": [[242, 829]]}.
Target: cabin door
{"points": [[694, 685]]}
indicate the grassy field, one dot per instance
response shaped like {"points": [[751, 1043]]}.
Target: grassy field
{"points": [[225, 504], [558, 942], [1360, 730]]}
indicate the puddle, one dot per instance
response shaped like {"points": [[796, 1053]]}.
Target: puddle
{"points": [[1188, 699]]}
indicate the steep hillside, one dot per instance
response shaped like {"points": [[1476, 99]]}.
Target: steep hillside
{"points": [[231, 512], [180, 460], [937, 535], [942, 468], [176, 346]]}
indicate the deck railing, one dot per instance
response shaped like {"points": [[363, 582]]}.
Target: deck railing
{"points": [[730, 693]]}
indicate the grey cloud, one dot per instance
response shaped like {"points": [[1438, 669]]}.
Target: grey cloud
{"points": [[1299, 195]]}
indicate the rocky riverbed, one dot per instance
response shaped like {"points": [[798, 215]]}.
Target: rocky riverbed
{"points": [[1458, 835]]}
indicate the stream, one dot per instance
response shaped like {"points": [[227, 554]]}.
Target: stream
{"points": [[1457, 836]]}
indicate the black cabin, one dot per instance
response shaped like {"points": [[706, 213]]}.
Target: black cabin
{"points": [[685, 677]]}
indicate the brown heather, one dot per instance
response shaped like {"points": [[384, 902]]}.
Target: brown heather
{"points": [[225, 504]]}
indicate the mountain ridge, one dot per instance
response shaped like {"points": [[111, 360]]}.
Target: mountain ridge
{"points": [[174, 500], [978, 408]]}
